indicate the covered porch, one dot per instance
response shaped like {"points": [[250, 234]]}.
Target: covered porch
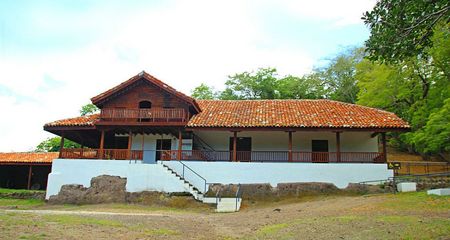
{"points": [[153, 144]]}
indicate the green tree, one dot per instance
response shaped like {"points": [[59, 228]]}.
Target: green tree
{"points": [[53, 145], [261, 84], [203, 92], [417, 89], [400, 29], [88, 109]]}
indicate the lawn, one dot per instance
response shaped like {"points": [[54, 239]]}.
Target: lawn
{"points": [[384, 216]]}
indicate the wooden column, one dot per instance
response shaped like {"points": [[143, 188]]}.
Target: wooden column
{"points": [[130, 139], [102, 143], [61, 144], [234, 146], [383, 144], [30, 173], [338, 146], [180, 144], [290, 147]]}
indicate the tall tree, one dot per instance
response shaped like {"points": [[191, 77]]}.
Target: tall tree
{"points": [[88, 109], [53, 145], [400, 29], [203, 92]]}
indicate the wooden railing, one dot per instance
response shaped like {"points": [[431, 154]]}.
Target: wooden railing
{"points": [[144, 115], [241, 156], [89, 153], [276, 156]]}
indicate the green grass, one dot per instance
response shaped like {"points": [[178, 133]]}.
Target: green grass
{"points": [[20, 203], [417, 201], [81, 220], [273, 229], [8, 190]]}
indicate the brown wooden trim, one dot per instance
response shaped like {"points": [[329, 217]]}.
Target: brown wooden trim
{"points": [[295, 129], [102, 143], [130, 139], [234, 146], [338, 146], [67, 128], [290, 146], [156, 124], [180, 144], [383, 144], [61, 144], [25, 163], [30, 173]]}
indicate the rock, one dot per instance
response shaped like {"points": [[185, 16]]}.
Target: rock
{"points": [[364, 188], [103, 189]]}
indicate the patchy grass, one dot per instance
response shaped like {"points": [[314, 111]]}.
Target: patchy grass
{"points": [[417, 201], [81, 220], [20, 203], [8, 190]]}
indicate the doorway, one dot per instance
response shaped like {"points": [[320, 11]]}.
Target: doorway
{"points": [[243, 149], [161, 145], [144, 115], [319, 151]]}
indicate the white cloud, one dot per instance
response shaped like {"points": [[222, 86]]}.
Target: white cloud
{"points": [[183, 44]]}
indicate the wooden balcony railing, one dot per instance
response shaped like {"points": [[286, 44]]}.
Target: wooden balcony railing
{"points": [[108, 154], [241, 156], [276, 156], [144, 115]]}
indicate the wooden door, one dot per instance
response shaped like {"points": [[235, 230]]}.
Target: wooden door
{"points": [[243, 148], [161, 145], [319, 151]]}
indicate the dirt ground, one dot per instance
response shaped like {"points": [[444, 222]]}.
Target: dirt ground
{"points": [[404, 216]]}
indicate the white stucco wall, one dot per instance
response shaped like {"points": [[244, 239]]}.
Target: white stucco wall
{"points": [[140, 177], [301, 141], [340, 174], [153, 177]]}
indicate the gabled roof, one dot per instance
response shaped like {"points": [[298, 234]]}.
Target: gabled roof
{"points": [[277, 114], [27, 157], [143, 75], [291, 114]]}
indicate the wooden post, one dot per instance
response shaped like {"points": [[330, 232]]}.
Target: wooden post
{"points": [[180, 144], [290, 147], [383, 143], [130, 139], [61, 144], [234, 146], [102, 142], [338, 146], [142, 145], [30, 173]]}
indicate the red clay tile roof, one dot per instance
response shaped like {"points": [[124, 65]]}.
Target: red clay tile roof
{"points": [[27, 157], [88, 120], [292, 113], [277, 113], [150, 78]]}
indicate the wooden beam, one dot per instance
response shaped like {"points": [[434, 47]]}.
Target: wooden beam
{"points": [[234, 146], [102, 143], [30, 173], [61, 144], [130, 139], [290, 146], [180, 144], [338, 146], [383, 144]]}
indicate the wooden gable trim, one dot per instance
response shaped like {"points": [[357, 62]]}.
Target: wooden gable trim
{"points": [[101, 98]]}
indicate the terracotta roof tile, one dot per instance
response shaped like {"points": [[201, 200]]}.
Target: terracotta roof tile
{"points": [[88, 120], [292, 113], [28, 157], [277, 113]]}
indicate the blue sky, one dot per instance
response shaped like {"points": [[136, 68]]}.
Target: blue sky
{"points": [[56, 55]]}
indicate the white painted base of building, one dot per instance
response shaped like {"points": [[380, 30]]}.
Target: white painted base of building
{"points": [[406, 187], [154, 177], [439, 192]]}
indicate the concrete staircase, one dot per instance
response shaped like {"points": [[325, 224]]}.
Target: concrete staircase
{"points": [[222, 204]]}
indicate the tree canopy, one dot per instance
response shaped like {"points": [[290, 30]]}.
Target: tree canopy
{"points": [[88, 109], [400, 29]]}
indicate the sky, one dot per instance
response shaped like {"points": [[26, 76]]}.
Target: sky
{"points": [[56, 55]]}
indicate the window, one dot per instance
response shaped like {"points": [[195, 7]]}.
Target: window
{"points": [[145, 104]]}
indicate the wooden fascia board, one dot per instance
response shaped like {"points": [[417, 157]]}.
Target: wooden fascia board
{"points": [[297, 129]]}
